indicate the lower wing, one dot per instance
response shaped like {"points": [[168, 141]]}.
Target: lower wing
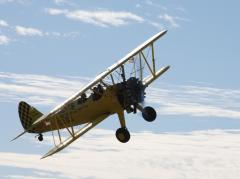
{"points": [[75, 136]]}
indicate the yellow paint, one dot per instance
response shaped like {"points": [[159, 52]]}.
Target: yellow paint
{"points": [[76, 114]]}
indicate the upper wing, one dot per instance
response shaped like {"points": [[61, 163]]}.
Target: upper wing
{"points": [[104, 74], [134, 52]]}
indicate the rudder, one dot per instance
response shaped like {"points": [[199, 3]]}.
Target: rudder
{"points": [[27, 114]]}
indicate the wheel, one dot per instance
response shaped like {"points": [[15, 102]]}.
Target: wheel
{"points": [[40, 137], [123, 135], [149, 114]]}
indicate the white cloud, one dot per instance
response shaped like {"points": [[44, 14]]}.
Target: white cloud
{"points": [[169, 19], [196, 101], [172, 20], [56, 11], [4, 40], [156, 5], [28, 31], [156, 24], [37, 89], [100, 18], [3, 23], [6, 1], [15, 1], [59, 1], [64, 3], [200, 154], [198, 110]]}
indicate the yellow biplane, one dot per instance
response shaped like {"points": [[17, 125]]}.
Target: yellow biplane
{"points": [[118, 89]]}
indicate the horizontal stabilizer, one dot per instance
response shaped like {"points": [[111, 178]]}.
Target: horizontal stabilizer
{"points": [[19, 136]]}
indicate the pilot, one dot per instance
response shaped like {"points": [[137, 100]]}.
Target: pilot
{"points": [[100, 89], [84, 97], [97, 92]]}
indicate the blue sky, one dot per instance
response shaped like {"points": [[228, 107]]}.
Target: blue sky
{"points": [[50, 49]]}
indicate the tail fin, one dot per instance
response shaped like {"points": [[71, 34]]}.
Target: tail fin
{"points": [[27, 114]]}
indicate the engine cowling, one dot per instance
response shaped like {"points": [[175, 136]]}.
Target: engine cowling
{"points": [[130, 93]]}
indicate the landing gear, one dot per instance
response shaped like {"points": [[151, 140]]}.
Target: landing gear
{"points": [[40, 137], [149, 114], [123, 135]]}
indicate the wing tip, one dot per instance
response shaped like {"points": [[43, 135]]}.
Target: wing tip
{"points": [[47, 155], [43, 157], [164, 31]]}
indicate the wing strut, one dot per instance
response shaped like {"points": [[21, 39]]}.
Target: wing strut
{"points": [[141, 67], [153, 59], [145, 59], [123, 74], [77, 134]]}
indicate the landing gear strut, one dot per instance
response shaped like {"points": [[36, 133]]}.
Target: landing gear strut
{"points": [[122, 134], [40, 137]]}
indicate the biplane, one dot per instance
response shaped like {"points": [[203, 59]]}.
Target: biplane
{"points": [[118, 90]]}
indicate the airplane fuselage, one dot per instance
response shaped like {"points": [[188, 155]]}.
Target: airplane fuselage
{"points": [[77, 113], [101, 103]]}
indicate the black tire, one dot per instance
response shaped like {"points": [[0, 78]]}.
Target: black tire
{"points": [[40, 137], [123, 135], [149, 114]]}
